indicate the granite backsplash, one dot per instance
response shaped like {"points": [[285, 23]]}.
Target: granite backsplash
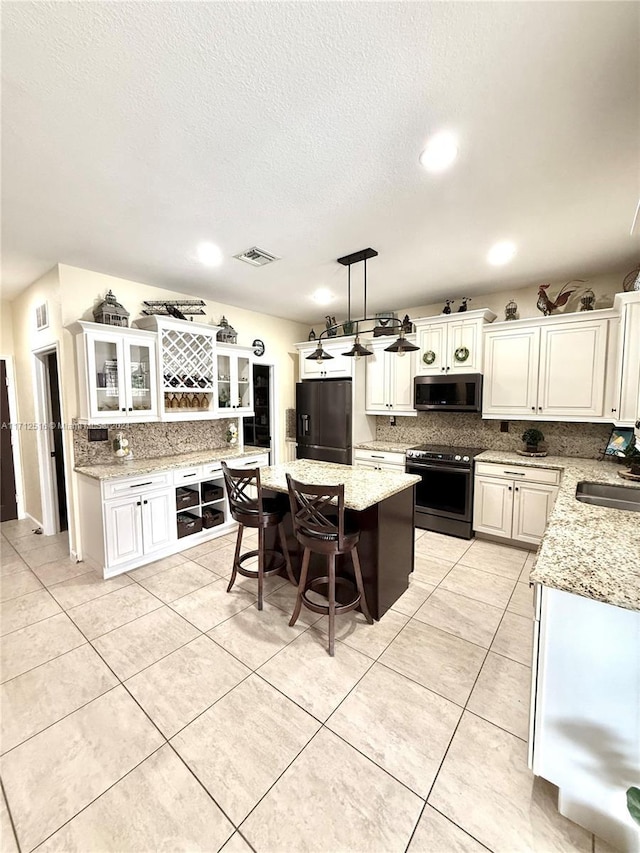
{"points": [[469, 430], [152, 439]]}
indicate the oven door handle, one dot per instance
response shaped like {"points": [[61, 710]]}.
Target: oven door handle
{"points": [[413, 468]]}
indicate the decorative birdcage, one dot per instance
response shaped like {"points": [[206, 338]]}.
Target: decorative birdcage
{"points": [[111, 312], [227, 334]]}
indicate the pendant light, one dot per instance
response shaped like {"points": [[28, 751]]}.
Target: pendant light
{"points": [[399, 346]]}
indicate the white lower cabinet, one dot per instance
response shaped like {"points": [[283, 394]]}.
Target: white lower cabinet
{"points": [[130, 521], [380, 460], [584, 734], [138, 525], [513, 502]]}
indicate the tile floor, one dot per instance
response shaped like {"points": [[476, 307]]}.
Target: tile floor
{"points": [[154, 711]]}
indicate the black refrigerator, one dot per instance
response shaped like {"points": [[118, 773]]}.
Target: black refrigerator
{"points": [[323, 420]]}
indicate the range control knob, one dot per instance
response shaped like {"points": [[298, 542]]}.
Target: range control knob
{"points": [[457, 457], [465, 458]]}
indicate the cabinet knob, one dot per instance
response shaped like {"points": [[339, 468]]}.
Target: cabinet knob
{"points": [[138, 503], [517, 490], [533, 408], [539, 408], [509, 488], [124, 410], [614, 410], [130, 408], [442, 368]]}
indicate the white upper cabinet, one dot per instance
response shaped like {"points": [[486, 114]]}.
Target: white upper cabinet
{"points": [[511, 372], [389, 381], [338, 367], [572, 369], [552, 369], [625, 399], [235, 380], [116, 373], [451, 343]]}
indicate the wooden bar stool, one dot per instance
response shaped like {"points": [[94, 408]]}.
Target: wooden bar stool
{"points": [[318, 522], [250, 509]]}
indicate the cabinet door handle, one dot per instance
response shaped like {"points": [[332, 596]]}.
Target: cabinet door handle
{"points": [[516, 473], [376, 456], [140, 485], [614, 410]]}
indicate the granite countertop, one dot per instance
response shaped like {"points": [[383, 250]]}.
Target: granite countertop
{"points": [[363, 487], [385, 446], [113, 470], [587, 550]]}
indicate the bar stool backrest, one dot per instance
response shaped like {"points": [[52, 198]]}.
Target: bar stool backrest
{"points": [[317, 511], [244, 492]]}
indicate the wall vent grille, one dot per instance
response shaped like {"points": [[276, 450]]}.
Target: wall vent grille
{"points": [[42, 316], [256, 257]]}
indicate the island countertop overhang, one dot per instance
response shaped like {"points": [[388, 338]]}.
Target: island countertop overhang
{"points": [[363, 487]]}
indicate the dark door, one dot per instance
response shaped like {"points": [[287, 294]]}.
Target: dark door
{"points": [[8, 506], [57, 452], [307, 421], [257, 430]]}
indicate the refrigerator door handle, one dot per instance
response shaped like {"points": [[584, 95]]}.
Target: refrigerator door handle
{"points": [[304, 424]]}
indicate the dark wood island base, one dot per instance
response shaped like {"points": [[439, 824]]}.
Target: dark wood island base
{"points": [[386, 548]]}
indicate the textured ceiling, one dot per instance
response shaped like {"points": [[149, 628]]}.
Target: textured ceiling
{"points": [[132, 131]]}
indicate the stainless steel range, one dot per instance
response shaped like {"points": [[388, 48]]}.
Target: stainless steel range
{"points": [[444, 497]]}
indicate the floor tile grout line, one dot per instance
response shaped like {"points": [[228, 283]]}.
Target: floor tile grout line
{"points": [[10, 815], [101, 794], [205, 789], [495, 725], [55, 657], [466, 831], [128, 622], [31, 624], [375, 763], [63, 717], [275, 781]]}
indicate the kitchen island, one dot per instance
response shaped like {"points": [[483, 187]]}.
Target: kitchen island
{"points": [[379, 504]]}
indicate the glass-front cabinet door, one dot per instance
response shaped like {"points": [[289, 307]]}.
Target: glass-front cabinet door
{"points": [[235, 381], [121, 375], [106, 387], [140, 360]]}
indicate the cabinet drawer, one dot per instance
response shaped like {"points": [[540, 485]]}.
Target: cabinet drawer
{"points": [[380, 457], [211, 469], [248, 461], [519, 472], [133, 485], [186, 475]]}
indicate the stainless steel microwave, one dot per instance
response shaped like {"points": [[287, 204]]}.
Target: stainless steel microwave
{"points": [[459, 393]]}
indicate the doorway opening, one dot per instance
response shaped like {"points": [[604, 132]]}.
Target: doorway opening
{"points": [[8, 490], [258, 430], [53, 486]]}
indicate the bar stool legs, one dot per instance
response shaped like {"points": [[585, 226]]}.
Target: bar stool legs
{"points": [[261, 559], [331, 593]]}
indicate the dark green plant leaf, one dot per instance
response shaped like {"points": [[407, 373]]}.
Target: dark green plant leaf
{"points": [[633, 803]]}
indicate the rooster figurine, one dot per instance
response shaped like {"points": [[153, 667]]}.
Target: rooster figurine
{"points": [[546, 305]]}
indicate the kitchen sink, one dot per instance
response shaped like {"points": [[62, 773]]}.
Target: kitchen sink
{"points": [[604, 494]]}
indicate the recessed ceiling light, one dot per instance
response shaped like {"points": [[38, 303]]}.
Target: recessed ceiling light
{"points": [[440, 152], [209, 254], [501, 253], [322, 296]]}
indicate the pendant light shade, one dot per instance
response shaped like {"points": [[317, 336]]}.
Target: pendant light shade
{"points": [[319, 354], [401, 345], [357, 349]]}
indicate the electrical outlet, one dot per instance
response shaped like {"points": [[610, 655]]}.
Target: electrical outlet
{"points": [[392, 420], [504, 426], [97, 434]]}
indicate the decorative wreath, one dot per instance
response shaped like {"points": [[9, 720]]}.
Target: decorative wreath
{"points": [[429, 357], [461, 354]]}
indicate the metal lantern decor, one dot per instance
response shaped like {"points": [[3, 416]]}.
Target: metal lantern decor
{"points": [[511, 310], [111, 312], [587, 300], [227, 334]]}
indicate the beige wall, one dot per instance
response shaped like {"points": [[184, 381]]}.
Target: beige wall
{"points": [[6, 328], [604, 286], [26, 339]]}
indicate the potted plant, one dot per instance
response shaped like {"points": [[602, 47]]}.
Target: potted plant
{"points": [[532, 439]]}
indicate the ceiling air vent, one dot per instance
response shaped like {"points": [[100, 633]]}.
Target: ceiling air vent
{"points": [[256, 257]]}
